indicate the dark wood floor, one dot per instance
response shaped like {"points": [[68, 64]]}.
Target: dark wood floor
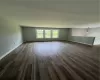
{"points": [[51, 61]]}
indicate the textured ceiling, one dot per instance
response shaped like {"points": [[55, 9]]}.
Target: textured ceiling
{"points": [[52, 13]]}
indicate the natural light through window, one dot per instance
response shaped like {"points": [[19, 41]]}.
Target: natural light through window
{"points": [[55, 33], [39, 33], [47, 33]]}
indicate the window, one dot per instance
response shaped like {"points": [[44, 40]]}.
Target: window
{"points": [[39, 33], [55, 33], [47, 33]]}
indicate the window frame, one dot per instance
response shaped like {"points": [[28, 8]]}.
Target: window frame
{"points": [[57, 34], [37, 34], [50, 33], [44, 34]]}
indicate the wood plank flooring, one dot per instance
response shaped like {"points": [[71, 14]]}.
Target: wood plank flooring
{"points": [[51, 61]]}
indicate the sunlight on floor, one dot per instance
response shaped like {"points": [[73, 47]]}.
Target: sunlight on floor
{"points": [[47, 48]]}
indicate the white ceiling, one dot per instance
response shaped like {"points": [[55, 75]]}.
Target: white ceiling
{"points": [[52, 13]]}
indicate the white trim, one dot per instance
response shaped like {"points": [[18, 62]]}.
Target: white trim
{"points": [[8, 52]]}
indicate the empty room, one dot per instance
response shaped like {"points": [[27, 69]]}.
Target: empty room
{"points": [[49, 39]]}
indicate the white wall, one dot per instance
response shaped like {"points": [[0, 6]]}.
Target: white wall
{"points": [[78, 31], [95, 32], [92, 32], [10, 36]]}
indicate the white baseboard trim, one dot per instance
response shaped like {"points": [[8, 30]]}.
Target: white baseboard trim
{"points": [[9, 52]]}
